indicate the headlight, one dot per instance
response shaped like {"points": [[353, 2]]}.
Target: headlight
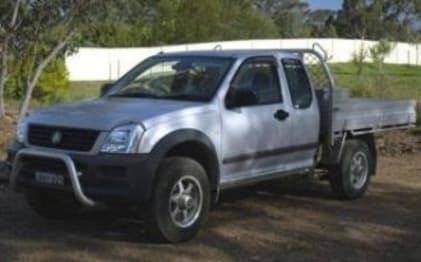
{"points": [[21, 129], [123, 140]]}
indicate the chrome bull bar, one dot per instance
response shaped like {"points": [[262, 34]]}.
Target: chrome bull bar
{"points": [[70, 165]]}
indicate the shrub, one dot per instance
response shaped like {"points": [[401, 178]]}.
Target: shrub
{"points": [[379, 52], [359, 59], [53, 83], [362, 90], [15, 83], [52, 86]]}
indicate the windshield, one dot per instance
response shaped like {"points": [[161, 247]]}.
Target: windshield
{"points": [[172, 77]]}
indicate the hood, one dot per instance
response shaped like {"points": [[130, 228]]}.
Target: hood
{"points": [[106, 113]]}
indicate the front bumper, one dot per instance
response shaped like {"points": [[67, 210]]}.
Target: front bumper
{"points": [[72, 172], [92, 179]]}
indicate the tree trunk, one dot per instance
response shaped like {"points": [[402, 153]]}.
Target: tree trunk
{"points": [[3, 77], [30, 85]]}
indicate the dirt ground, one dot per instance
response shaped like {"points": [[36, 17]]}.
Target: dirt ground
{"points": [[293, 220], [290, 220]]}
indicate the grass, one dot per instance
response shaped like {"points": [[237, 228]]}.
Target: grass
{"points": [[77, 91], [403, 81], [400, 81], [82, 90]]}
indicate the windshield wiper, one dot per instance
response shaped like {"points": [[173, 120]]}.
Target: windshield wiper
{"points": [[136, 95], [185, 97]]}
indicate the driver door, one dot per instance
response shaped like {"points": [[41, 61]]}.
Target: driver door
{"points": [[255, 133]]}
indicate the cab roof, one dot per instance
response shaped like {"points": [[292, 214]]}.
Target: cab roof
{"points": [[235, 53]]}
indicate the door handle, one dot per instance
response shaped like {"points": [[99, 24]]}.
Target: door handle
{"points": [[281, 115]]}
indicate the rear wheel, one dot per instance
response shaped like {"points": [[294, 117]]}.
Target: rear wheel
{"points": [[351, 177], [180, 201], [51, 206]]}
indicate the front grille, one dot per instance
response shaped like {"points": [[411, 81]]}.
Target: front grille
{"points": [[69, 138], [33, 164]]}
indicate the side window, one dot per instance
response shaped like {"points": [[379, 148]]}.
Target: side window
{"points": [[258, 77], [298, 83]]}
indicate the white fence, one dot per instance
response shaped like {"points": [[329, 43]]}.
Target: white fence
{"points": [[90, 64]]}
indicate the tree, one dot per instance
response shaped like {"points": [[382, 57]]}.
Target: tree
{"points": [[215, 20], [47, 28], [151, 23], [33, 33], [322, 23], [290, 16], [402, 17], [9, 25], [122, 23], [379, 19], [356, 18]]}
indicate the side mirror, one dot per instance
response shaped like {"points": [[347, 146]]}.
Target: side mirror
{"points": [[105, 88], [239, 97]]}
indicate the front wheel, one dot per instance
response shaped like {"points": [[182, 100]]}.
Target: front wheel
{"points": [[181, 199], [351, 177]]}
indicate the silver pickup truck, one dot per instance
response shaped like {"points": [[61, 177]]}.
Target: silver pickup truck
{"points": [[179, 128]]}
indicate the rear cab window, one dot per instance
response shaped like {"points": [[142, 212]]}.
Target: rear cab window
{"points": [[298, 83]]}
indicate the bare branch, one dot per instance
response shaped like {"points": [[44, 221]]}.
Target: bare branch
{"points": [[2, 29], [15, 14], [34, 53]]}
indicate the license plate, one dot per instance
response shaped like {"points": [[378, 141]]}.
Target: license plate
{"points": [[49, 178]]}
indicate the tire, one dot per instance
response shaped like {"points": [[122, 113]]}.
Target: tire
{"points": [[350, 178], [51, 206], [171, 195]]}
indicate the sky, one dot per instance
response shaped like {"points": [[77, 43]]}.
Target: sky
{"points": [[325, 4]]}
